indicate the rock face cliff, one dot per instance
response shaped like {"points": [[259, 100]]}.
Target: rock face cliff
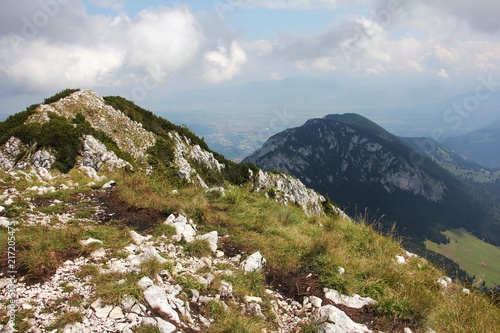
{"points": [[340, 151], [360, 165]]}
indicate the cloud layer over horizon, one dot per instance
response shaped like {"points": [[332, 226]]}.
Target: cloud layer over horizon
{"points": [[48, 45]]}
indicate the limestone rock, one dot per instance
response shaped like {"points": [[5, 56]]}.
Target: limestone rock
{"points": [[287, 190], [212, 238], [165, 326], [157, 298], [90, 241], [9, 151], [43, 159], [96, 156], [184, 229], [332, 320], [254, 262], [145, 282], [355, 301]]}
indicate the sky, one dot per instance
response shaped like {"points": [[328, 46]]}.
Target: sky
{"points": [[156, 52]]}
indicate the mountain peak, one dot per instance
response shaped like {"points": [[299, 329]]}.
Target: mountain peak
{"points": [[359, 164]]}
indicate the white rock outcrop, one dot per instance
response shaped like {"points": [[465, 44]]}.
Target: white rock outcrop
{"points": [[355, 301], [185, 228], [254, 262], [9, 152], [95, 155], [289, 190], [332, 320]]}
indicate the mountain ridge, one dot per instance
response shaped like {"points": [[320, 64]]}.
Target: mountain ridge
{"points": [[351, 155], [169, 236]]}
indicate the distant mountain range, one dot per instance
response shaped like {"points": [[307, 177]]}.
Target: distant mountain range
{"points": [[360, 165], [482, 145]]}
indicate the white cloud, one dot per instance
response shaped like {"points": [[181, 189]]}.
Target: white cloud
{"points": [[323, 64], [283, 4], [443, 74], [168, 38], [43, 66], [480, 15], [103, 50], [224, 63]]}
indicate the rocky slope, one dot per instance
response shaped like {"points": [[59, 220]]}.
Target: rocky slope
{"points": [[83, 257], [164, 304]]}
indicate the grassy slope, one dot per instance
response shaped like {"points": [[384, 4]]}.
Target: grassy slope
{"points": [[469, 251], [295, 245]]}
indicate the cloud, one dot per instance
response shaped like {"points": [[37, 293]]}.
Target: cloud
{"points": [[281, 4], [168, 38], [321, 64], [480, 15], [443, 74], [95, 50], [224, 63], [42, 66]]}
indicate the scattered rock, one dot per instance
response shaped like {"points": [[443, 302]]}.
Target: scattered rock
{"points": [[212, 239], [109, 184], [90, 241], [226, 289], [400, 260], [354, 301], [184, 229], [165, 326], [157, 299], [145, 282], [332, 320], [253, 263]]}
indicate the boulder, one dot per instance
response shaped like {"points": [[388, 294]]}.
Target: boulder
{"points": [[158, 300], [184, 229], [354, 301], [253, 263], [212, 238], [332, 320]]}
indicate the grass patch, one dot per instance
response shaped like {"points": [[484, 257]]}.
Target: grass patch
{"points": [[146, 329], [114, 238], [151, 266], [162, 229], [476, 257], [231, 320], [111, 288], [66, 319], [41, 250], [252, 283], [198, 248]]}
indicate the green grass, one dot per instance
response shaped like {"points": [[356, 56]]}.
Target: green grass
{"points": [[470, 252], [111, 288], [296, 244], [66, 319]]}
